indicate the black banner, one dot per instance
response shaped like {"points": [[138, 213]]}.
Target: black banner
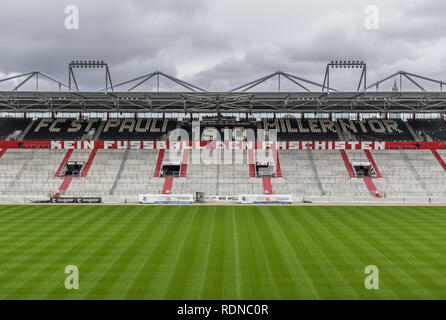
{"points": [[234, 310], [75, 200]]}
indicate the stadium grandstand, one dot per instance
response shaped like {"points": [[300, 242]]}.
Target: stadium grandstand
{"points": [[318, 145]]}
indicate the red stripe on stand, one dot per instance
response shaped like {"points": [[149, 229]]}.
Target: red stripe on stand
{"points": [[251, 161], [89, 163], [371, 186], [184, 163], [372, 161], [167, 187], [347, 164], [159, 162], [440, 159], [65, 184], [65, 160], [277, 161], [267, 186]]}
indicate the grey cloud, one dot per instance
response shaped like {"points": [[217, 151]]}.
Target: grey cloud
{"points": [[223, 43]]}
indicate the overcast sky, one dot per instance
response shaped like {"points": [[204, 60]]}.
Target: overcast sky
{"points": [[221, 44]]}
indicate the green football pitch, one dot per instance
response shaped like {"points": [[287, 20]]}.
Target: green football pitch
{"points": [[222, 252]]}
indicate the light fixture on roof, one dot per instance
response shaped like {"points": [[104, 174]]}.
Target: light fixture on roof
{"points": [[78, 64], [346, 64]]}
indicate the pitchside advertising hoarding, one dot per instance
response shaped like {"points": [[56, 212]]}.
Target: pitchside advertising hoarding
{"points": [[188, 199], [164, 198], [229, 145], [75, 200], [276, 199]]}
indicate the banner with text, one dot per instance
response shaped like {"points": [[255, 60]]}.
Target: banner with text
{"points": [[228, 145], [252, 199], [164, 198]]}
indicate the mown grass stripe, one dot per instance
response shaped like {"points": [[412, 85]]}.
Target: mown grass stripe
{"points": [[193, 279], [333, 250], [252, 282], [116, 252], [181, 269], [34, 239], [222, 252], [14, 213], [284, 265], [131, 240], [67, 255], [214, 276], [416, 267], [142, 282], [45, 252], [384, 255], [308, 252], [130, 263], [237, 270], [17, 225], [423, 238], [199, 289], [167, 262], [87, 252], [271, 284], [297, 273], [364, 249]]}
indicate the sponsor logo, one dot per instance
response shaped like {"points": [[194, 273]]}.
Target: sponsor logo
{"points": [[76, 200]]}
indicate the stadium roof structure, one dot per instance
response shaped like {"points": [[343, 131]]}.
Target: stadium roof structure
{"points": [[26, 77], [238, 100], [224, 102], [408, 76], [137, 82]]}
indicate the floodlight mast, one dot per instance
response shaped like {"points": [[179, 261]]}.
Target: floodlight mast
{"points": [[89, 64], [350, 64]]}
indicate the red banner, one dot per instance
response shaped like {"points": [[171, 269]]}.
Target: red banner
{"points": [[229, 145]]}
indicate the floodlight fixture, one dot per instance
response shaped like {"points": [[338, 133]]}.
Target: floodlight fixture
{"points": [[90, 64], [346, 64]]}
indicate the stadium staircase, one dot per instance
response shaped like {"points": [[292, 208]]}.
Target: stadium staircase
{"points": [[316, 174], [137, 175], [26, 130], [410, 173], [118, 175], [367, 181], [428, 171], [411, 166], [232, 177], [412, 131], [340, 132], [99, 130]]}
